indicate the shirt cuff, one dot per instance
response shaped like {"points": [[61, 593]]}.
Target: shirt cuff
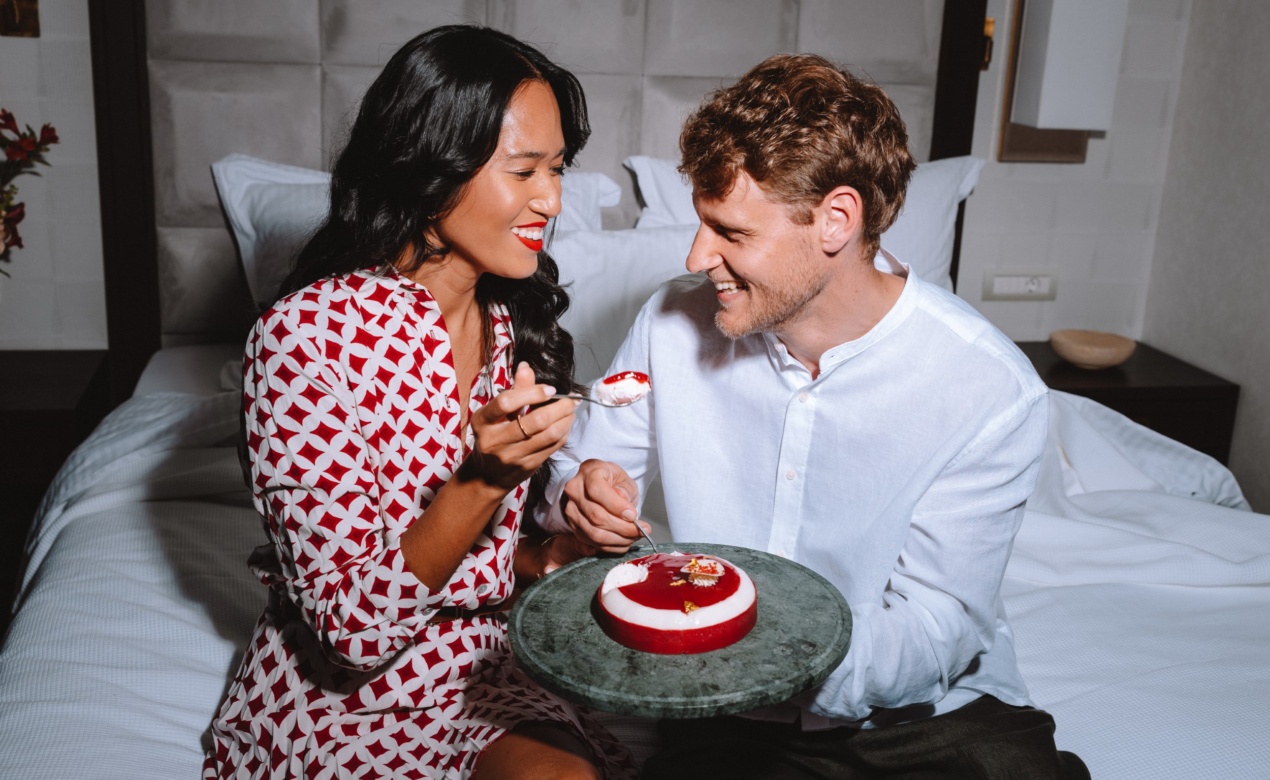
{"points": [[552, 520]]}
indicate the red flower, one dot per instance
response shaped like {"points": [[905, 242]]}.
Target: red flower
{"points": [[48, 135], [7, 122], [22, 148], [12, 217]]}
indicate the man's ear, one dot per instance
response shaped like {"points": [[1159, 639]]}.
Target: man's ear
{"points": [[843, 219]]}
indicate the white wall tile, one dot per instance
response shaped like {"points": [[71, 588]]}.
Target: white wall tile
{"points": [[1142, 102], [717, 37], [66, 70], [586, 36], [202, 111], [81, 314], [367, 32], [1138, 156], [76, 131], [1012, 206], [1122, 256], [75, 248], [1175, 10], [33, 262], [1086, 303], [1151, 49], [28, 314], [63, 19], [233, 30], [1107, 205], [896, 41], [48, 80], [1071, 254], [19, 73]]}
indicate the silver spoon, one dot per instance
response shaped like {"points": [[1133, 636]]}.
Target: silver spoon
{"points": [[618, 405], [647, 538], [615, 404]]}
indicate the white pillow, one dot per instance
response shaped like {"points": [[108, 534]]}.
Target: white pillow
{"points": [[922, 236], [272, 209], [666, 193], [611, 273]]}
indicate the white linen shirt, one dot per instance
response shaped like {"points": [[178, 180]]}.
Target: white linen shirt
{"points": [[899, 474]]}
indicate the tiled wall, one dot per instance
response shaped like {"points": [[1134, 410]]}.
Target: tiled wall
{"points": [[1210, 282], [1092, 224], [55, 298], [279, 81]]}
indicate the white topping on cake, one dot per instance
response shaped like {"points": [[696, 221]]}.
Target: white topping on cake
{"points": [[622, 575]]}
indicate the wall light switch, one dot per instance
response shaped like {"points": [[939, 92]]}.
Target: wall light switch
{"points": [[1020, 286]]}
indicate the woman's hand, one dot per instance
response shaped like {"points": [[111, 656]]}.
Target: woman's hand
{"points": [[535, 560], [512, 441]]}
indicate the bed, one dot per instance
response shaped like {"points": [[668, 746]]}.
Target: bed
{"points": [[1138, 583]]}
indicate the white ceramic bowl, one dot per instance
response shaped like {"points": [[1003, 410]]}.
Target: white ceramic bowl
{"points": [[1092, 348]]}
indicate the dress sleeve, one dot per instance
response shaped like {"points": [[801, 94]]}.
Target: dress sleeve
{"points": [[314, 481], [939, 609]]}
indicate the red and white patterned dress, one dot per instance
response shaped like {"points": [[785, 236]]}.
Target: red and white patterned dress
{"points": [[352, 419]]}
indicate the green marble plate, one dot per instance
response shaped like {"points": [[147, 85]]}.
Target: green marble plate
{"points": [[802, 633]]}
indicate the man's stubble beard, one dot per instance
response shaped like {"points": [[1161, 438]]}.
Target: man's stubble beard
{"points": [[780, 307]]}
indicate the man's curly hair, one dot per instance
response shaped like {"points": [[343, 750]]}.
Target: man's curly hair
{"points": [[801, 126]]}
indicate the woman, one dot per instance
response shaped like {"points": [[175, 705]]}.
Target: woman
{"points": [[395, 428]]}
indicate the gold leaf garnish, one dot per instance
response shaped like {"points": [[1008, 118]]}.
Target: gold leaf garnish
{"points": [[689, 606]]}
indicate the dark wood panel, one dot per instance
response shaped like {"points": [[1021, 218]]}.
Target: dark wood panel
{"points": [[121, 94], [961, 51], [49, 402]]}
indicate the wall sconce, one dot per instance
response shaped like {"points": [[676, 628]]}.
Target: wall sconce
{"points": [[1061, 83]]}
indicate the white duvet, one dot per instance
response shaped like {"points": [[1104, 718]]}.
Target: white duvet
{"points": [[1137, 589]]}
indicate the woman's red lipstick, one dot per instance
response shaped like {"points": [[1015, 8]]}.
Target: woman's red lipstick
{"points": [[534, 244]]}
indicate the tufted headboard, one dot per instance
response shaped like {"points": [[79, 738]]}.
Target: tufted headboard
{"points": [[180, 84]]}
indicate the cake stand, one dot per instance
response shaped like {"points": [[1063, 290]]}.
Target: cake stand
{"points": [[802, 634]]}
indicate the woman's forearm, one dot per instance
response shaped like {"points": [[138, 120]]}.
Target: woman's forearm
{"points": [[437, 542]]}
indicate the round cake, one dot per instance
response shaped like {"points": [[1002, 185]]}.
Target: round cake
{"points": [[677, 603]]}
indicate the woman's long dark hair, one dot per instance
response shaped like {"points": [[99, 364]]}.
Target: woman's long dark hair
{"points": [[425, 127]]}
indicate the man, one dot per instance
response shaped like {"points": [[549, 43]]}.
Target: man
{"points": [[845, 415]]}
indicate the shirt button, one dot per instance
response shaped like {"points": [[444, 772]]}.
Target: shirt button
{"points": [[791, 474], [483, 589], [802, 397]]}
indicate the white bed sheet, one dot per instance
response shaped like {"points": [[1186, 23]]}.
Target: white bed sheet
{"points": [[1137, 591]]}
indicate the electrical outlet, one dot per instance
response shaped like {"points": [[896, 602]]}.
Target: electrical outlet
{"points": [[1020, 286]]}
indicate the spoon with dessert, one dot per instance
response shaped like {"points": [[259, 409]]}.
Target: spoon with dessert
{"points": [[620, 389]]}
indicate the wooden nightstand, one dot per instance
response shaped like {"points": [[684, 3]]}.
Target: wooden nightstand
{"points": [[1153, 388], [49, 401]]}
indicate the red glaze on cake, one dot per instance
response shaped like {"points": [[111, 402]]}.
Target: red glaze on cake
{"points": [[677, 603]]}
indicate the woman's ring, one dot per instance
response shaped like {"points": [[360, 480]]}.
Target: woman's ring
{"points": [[521, 426]]}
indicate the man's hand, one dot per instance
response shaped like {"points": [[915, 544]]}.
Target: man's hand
{"points": [[600, 506]]}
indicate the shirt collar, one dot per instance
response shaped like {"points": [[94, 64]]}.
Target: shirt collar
{"points": [[835, 356]]}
